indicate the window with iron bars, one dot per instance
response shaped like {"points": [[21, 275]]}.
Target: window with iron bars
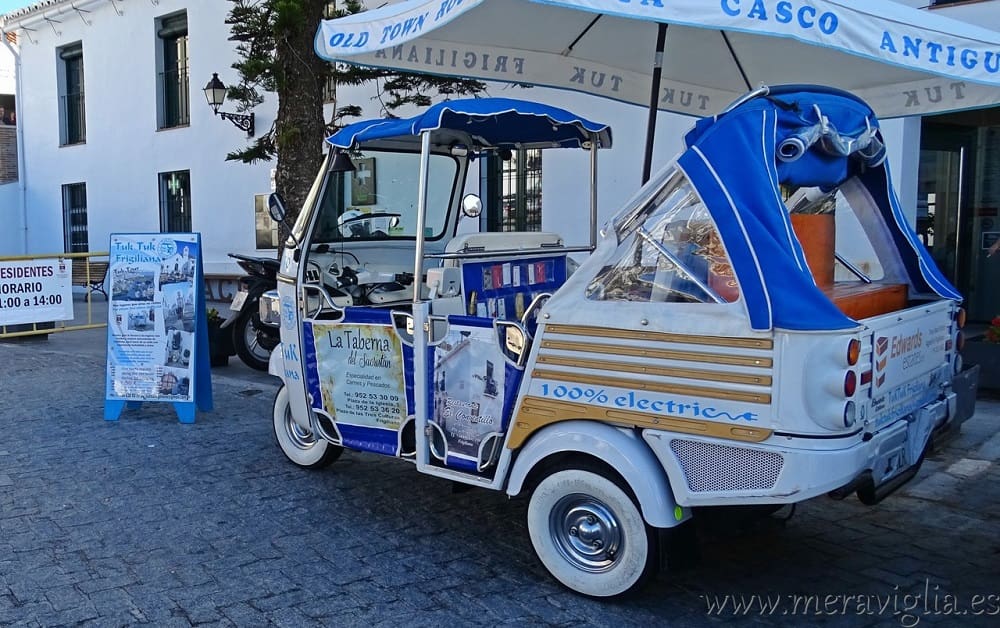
{"points": [[175, 201], [75, 237], [514, 191], [72, 113], [173, 106]]}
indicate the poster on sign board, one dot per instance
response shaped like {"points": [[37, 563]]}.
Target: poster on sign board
{"points": [[36, 291], [155, 308]]}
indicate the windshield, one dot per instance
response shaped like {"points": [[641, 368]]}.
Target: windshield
{"points": [[669, 251], [378, 200]]}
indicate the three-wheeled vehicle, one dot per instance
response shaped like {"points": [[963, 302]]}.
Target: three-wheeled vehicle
{"points": [[700, 355]]}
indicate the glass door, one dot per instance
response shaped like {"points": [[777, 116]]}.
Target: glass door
{"points": [[944, 190], [938, 205], [984, 267]]}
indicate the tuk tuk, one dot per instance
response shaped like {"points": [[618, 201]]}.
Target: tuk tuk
{"points": [[704, 352]]}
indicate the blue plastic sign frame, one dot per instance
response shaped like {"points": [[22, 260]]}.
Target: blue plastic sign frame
{"points": [[157, 328]]}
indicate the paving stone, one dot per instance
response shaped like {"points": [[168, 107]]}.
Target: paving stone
{"points": [[211, 526], [66, 597], [244, 615]]}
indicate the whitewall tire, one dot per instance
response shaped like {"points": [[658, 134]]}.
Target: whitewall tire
{"points": [[590, 535], [298, 444]]}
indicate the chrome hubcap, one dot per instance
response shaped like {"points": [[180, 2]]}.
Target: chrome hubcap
{"points": [[300, 437], [586, 532]]}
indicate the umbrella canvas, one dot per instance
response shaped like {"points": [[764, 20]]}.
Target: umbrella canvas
{"points": [[900, 60]]}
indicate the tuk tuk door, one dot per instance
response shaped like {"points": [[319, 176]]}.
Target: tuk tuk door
{"points": [[358, 372], [475, 367]]}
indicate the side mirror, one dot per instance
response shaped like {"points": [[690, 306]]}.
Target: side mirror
{"points": [[278, 213], [513, 342], [276, 207], [472, 205]]}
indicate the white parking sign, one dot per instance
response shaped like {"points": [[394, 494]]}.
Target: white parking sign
{"points": [[36, 291]]}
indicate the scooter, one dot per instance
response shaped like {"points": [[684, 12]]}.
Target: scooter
{"points": [[252, 340]]}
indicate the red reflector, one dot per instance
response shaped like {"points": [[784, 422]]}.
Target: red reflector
{"points": [[866, 378], [850, 383], [960, 340]]}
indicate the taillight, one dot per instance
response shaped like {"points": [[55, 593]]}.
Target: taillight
{"points": [[850, 414], [850, 383], [853, 352], [960, 317], [959, 340]]}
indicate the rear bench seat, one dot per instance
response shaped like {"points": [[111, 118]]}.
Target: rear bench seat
{"points": [[501, 272]]}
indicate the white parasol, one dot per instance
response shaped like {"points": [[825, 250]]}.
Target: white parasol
{"points": [[901, 60]]}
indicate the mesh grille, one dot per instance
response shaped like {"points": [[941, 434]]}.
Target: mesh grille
{"points": [[711, 468]]}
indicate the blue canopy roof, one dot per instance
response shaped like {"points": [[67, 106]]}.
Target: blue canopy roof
{"points": [[801, 136], [497, 122]]}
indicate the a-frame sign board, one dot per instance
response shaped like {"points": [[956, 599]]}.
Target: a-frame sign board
{"points": [[157, 326]]}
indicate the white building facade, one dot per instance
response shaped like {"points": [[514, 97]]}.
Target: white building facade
{"points": [[105, 150], [10, 191], [116, 135]]}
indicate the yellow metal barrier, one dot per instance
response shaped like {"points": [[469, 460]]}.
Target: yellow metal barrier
{"points": [[90, 275]]}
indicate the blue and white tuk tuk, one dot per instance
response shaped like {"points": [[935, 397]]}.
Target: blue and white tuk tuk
{"points": [[698, 355]]}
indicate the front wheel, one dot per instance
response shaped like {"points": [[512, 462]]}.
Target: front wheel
{"points": [[300, 445], [588, 532]]}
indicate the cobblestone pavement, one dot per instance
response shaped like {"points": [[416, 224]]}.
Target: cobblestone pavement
{"points": [[149, 521]]}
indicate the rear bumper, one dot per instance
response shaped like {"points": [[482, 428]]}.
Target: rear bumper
{"points": [[965, 385], [712, 472]]}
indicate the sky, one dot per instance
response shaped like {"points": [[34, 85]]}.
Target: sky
{"points": [[6, 6]]}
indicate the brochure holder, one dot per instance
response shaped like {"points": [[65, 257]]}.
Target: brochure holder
{"points": [[157, 327]]}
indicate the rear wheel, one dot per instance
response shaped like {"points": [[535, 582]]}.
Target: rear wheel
{"points": [[298, 444], [247, 343], [589, 533]]}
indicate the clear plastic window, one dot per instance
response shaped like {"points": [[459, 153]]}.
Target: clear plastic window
{"points": [[853, 246], [378, 200], [669, 251], [855, 253]]}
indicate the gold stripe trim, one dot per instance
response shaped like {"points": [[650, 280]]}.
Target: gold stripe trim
{"points": [[659, 336], [536, 412], [676, 389], [663, 371], [663, 354]]}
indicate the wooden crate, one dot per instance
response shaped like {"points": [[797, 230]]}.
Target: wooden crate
{"points": [[817, 234], [862, 300]]}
